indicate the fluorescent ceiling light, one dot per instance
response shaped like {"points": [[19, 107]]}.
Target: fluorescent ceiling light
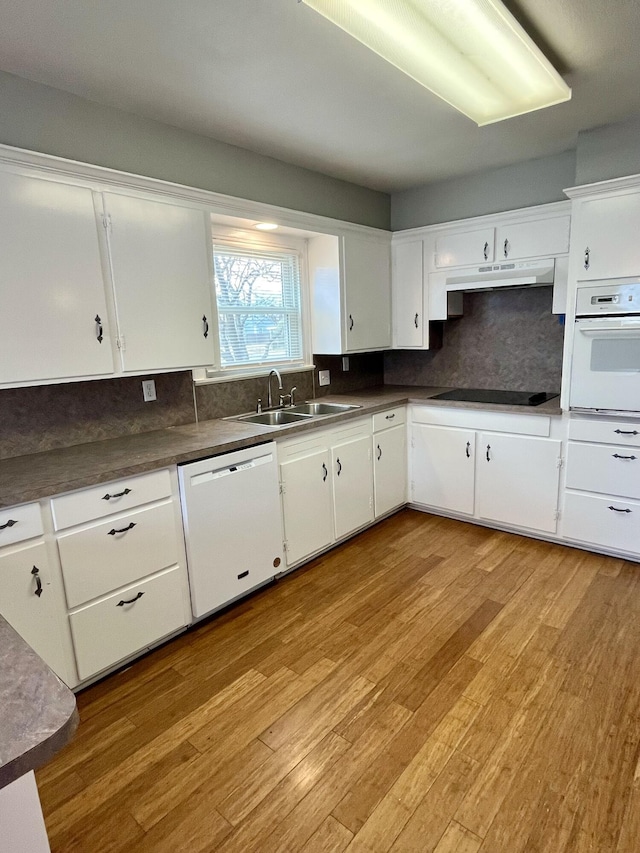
{"points": [[266, 226], [471, 53]]}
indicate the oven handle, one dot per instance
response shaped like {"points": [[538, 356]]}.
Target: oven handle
{"points": [[627, 331]]}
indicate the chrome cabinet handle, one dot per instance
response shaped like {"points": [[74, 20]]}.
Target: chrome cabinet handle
{"points": [[506, 248], [326, 473], [98, 322], [206, 326], [339, 466], [35, 571], [9, 523], [415, 321], [587, 258], [485, 251], [626, 431], [113, 530], [350, 322], [108, 497], [615, 509], [618, 456], [488, 449], [379, 453], [467, 449], [123, 601]]}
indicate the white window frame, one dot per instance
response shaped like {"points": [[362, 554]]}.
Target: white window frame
{"points": [[238, 240]]}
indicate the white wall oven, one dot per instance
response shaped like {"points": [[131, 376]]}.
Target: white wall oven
{"points": [[605, 372]]}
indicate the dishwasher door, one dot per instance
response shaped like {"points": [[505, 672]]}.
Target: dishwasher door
{"points": [[233, 524]]}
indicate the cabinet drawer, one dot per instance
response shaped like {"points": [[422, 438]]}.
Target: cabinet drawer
{"points": [[106, 556], [109, 498], [392, 417], [607, 521], [20, 523], [603, 468], [107, 631], [624, 433]]}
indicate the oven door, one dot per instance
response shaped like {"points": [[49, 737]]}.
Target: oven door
{"points": [[605, 372]]}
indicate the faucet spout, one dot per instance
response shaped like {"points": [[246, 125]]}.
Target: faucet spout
{"points": [[275, 373]]}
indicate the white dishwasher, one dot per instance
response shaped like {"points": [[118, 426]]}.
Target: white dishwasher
{"points": [[233, 524]]}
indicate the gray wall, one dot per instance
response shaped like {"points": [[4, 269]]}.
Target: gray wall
{"points": [[40, 118], [493, 191], [608, 152]]}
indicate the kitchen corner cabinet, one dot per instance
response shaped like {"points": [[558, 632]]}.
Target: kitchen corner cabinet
{"points": [[53, 316], [410, 321], [161, 273], [507, 472], [326, 481], [350, 278]]}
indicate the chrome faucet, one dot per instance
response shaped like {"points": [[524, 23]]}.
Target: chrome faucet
{"points": [[276, 373]]}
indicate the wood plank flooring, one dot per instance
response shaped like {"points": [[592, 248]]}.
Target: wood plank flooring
{"points": [[429, 686]]}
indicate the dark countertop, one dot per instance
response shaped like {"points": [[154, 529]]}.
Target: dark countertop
{"points": [[40, 475], [39, 714]]}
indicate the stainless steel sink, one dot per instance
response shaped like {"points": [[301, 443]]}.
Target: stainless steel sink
{"points": [[316, 409], [279, 417]]}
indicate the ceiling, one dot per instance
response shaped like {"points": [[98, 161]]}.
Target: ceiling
{"points": [[276, 78]]}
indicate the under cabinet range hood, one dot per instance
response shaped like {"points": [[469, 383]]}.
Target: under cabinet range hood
{"points": [[505, 274]]}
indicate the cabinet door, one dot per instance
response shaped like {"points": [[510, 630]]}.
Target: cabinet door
{"points": [[367, 293], [306, 504], [539, 238], [518, 480], [31, 603], [606, 237], [352, 485], [467, 247], [390, 469], [53, 322], [442, 467], [407, 295], [163, 289]]}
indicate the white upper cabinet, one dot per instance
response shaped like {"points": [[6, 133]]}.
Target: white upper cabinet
{"points": [[410, 325], [604, 240], [53, 316], [161, 273], [350, 292], [537, 238], [461, 248]]}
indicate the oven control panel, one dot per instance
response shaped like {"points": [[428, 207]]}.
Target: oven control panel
{"points": [[608, 298]]}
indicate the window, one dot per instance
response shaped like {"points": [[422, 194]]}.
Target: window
{"points": [[258, 297]]}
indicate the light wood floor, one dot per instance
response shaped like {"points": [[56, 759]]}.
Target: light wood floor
{"points": [[429, 686]]}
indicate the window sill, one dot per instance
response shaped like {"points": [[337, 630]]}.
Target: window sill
{"points": [[205, 377]]}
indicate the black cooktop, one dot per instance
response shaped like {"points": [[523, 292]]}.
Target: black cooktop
{"points": [[506, 398]]}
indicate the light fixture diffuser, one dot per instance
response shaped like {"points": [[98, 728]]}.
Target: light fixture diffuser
{"points": [[266, 226], [471, 53]]}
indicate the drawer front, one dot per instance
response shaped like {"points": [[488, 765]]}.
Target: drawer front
{"points": [[625, 433], [393, 417], [109, 498], [482, 419], [120, 551], [20, 523], [603, 468], [607, 521], [106, 631]]}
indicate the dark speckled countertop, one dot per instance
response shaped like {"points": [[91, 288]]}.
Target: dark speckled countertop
{"points": [[40, 475], [39, 713]]}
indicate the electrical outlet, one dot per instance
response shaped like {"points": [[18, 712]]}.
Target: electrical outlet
{"points": [[149, 390], [345, 363], [324, 377]]}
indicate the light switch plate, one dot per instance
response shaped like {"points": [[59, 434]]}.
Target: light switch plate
{"points": [[324, 377], [149, 390]]}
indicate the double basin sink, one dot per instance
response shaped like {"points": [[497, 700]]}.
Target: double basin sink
{"points": [[294, 414]]}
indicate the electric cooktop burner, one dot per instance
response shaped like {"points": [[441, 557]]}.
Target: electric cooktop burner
{"points": [[506, 398]]}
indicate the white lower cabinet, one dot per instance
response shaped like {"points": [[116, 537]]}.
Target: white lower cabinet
{"points": [[506, 475], [389, 461], [352, 484]]}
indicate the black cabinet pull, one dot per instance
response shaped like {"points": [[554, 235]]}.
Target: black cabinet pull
{"points": [[389, 417], [243, 575], [467, 449], [626, 431], [339, 466], [9, 523], [326, 473], [350, 322], [35, 571], [108, 497], [488, 449], [206, 326], [615, 509], [485, 251], [122, 601], [618, 456], [506, 248], [379, 453], [113, 530], [587, 258], [98, 323], [415, 321]]}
